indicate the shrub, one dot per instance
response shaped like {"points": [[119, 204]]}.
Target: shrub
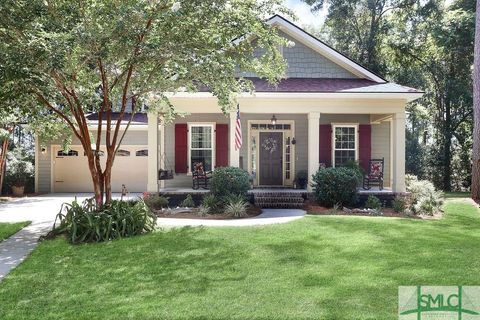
{"points": [[229, 180], [425, 199], [354, 165], [236, 206], [399, 205], [203, 210], [188, 202], [87, 223], [373, 203], [18, 171], [335, 186], [155, 201], [210, 201]]}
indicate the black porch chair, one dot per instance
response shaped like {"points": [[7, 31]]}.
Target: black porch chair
{"points": [[199, 176], [374, 176]]}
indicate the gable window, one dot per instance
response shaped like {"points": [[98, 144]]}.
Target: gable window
{"points": [[345, 144], [200, 145]]}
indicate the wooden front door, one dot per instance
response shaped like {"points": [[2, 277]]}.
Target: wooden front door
{"points": [[271, 158]]}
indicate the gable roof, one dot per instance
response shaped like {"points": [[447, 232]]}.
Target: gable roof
{"points": [[322, 48]]}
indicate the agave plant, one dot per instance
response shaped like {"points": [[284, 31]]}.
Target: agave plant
{"points": [[87, 223]]}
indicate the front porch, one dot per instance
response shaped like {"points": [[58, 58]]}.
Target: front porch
{"points": [[275, 152]]}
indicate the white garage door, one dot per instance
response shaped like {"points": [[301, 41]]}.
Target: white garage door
{"points": [[71, 172]]}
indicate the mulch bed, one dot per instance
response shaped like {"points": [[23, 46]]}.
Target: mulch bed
{"points": [[315, 209], [192, 213]]}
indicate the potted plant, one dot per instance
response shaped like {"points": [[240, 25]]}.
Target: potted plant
{"points": [[18, 172], [301, 179]]}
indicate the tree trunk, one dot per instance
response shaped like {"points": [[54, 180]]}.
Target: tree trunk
{"points": [[476, 111], [3, 161], [447, 152]]}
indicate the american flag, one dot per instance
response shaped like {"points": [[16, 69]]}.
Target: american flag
{"points": [[238, 131]]}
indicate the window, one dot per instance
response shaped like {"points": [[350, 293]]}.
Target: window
{"points": [[100, 153], [201, 145], [142, 153], [123, 153], [70, 153], [344, 144]]}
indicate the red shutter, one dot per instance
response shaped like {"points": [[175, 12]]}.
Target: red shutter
{"points": [[181, 148], [364, 145], [221, 145], [325, 143]]}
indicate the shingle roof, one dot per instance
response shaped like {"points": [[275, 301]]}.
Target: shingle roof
{"points": [[138, 118], [318, 85]]}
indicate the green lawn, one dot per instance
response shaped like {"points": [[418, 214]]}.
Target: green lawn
{"points": [[319, 267], [7, 229]]}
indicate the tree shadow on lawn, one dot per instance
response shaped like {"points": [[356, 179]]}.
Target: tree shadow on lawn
{"points": [[151, 269], [353, 262]]}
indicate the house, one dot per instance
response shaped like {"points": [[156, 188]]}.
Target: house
{"points": [[327, 111]]}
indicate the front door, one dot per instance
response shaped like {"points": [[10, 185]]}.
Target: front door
{"points": [[271, 158]]}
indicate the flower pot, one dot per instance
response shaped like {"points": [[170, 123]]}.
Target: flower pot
{"points": [[18, 191]]}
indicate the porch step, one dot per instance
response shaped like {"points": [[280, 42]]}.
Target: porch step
{"points": [[291, 200]]}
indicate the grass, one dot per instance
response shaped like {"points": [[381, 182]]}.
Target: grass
{"points": [[319, 267], [7, 229], [456, 195]]}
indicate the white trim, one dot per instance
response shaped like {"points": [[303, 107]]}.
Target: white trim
{"points": [[408, 96], [344, 125], [333, 55], [189, 137]]}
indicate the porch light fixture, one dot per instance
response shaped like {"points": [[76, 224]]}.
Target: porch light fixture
{"points": [[294, 141], [273, 120], [44, 150]]}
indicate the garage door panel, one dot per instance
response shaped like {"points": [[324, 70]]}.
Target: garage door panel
{"points": [[71, 173]]}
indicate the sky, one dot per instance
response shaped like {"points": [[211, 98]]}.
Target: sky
{"points": [[304, 15]]}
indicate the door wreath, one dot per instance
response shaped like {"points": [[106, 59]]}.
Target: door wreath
{"points": [[270, 144]]}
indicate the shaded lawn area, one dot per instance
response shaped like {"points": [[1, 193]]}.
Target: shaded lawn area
{"points": [[8, 229], [319, 267], [456, 195]]}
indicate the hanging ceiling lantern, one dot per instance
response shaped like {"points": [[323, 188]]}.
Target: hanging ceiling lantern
{"points": [[273, 120]]}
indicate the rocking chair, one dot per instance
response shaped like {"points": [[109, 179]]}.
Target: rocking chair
{"points": [[199, 176], [375, 174]]}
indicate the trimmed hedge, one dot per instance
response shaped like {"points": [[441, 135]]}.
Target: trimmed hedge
{"points": [[226, 181], [333, 186]]}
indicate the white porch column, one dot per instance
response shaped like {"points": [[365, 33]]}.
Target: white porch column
{"points": [[162, 154], [234, 155], [313, 145], [398, 133], [152, 165]]}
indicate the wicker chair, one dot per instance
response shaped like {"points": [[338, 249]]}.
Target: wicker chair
{"points": [[200, 177], [375, 174]]}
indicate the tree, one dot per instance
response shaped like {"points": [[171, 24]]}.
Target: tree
{"points": [[94, 56], [476, 108], [357, 27], [433, 44]]}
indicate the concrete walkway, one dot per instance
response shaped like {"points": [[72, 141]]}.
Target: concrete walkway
{"points": [[268, 216]]}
